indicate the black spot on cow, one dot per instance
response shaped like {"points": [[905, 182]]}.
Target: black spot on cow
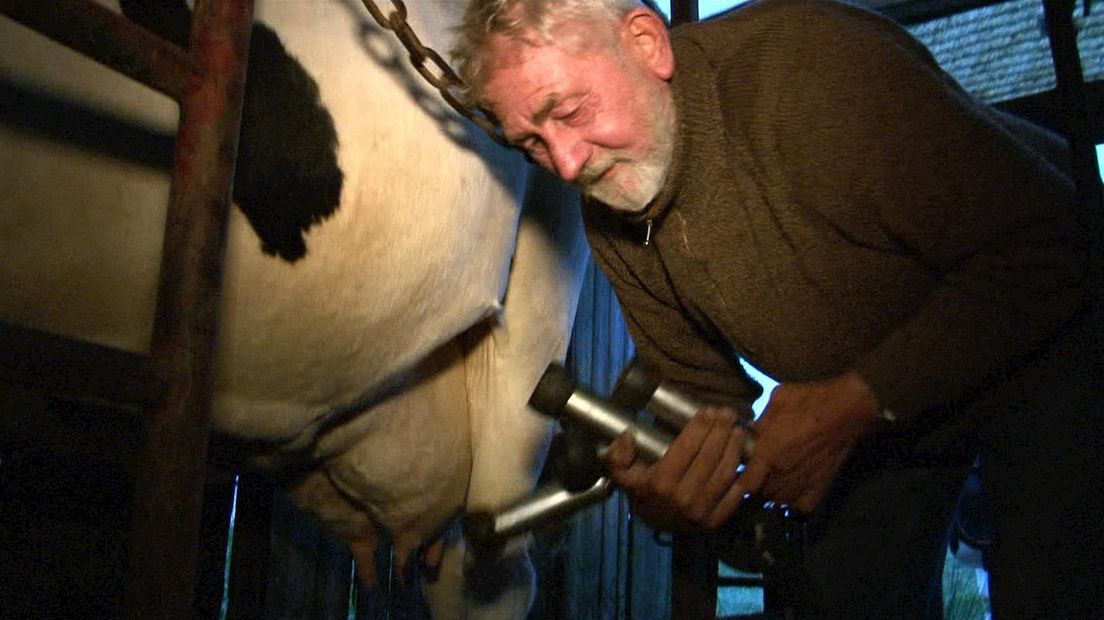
{"points": [[287, 178]]}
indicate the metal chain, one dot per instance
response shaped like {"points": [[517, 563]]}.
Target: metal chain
{"points": [[433, 67]]}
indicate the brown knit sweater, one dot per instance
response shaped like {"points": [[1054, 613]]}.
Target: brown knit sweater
{"points": [[838, 202]]}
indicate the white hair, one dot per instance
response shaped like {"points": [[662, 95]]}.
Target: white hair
{"points": [[522, 19]]}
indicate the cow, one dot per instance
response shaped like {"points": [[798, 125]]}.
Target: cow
{"points": [[395, 282]]}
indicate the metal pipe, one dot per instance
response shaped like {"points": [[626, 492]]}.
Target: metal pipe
{"points": [[636, 390], [559, 396], [550, 503], [597, 416]]}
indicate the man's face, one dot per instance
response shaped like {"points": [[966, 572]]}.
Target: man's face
{"points": [[596, 117]]}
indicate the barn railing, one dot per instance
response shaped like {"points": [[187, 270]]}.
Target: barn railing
{"points": [[207, 80]]}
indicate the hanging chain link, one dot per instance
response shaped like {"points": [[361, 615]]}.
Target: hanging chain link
{"points": [[433, 67]]}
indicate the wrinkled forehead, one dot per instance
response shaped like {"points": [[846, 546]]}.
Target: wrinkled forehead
{"points": [[510, 50], [514, 66], [511, 43]]}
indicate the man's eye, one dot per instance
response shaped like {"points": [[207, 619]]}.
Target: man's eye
{"points": [[535, 151], [525, 146], [569, 116], [538, 152], [576, 112]]}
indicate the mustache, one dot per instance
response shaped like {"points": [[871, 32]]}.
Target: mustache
{"points": [[592, 172]]}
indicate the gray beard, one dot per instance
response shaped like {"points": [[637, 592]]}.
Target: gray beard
{"points": [[650, 171]]}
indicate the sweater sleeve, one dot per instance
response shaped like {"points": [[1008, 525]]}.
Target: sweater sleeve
{"points": [[874, 131], [667, 341]]}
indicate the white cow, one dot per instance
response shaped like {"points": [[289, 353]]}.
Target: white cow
{"points": [[388, 341]]}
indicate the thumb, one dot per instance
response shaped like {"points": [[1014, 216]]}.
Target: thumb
{"points": [[625, 469], [621, 453]]}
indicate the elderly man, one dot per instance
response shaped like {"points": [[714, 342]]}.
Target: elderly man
{"points": [[799, 184]]}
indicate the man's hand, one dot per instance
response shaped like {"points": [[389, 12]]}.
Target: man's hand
{"points": [[691, 487], [803, 438]]}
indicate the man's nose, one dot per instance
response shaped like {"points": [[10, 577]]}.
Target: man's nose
{"points": [[569, 156]]}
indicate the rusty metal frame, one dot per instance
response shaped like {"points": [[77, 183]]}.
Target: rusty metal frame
{"points": [[105, 36], [169, 485], [208, 82]]}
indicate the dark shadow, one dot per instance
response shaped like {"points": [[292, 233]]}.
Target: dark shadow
{"points": [[45, 116]]}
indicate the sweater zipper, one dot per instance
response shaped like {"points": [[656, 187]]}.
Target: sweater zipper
{"points": [[647, 234]]}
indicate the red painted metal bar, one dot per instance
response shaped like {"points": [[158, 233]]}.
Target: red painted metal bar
{"points": [[168, 487], [109, 38]]}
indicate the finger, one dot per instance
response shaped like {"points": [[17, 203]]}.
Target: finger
{"points": [[672, 467], [636, 479], [782, 488], [712, 470], [726, 495], [747, 443], [726, 507], [431, 556], [621, 453], [808, 502], [624, 468]]}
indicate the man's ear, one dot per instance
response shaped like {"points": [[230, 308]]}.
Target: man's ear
{"points": [[645, 34]]}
